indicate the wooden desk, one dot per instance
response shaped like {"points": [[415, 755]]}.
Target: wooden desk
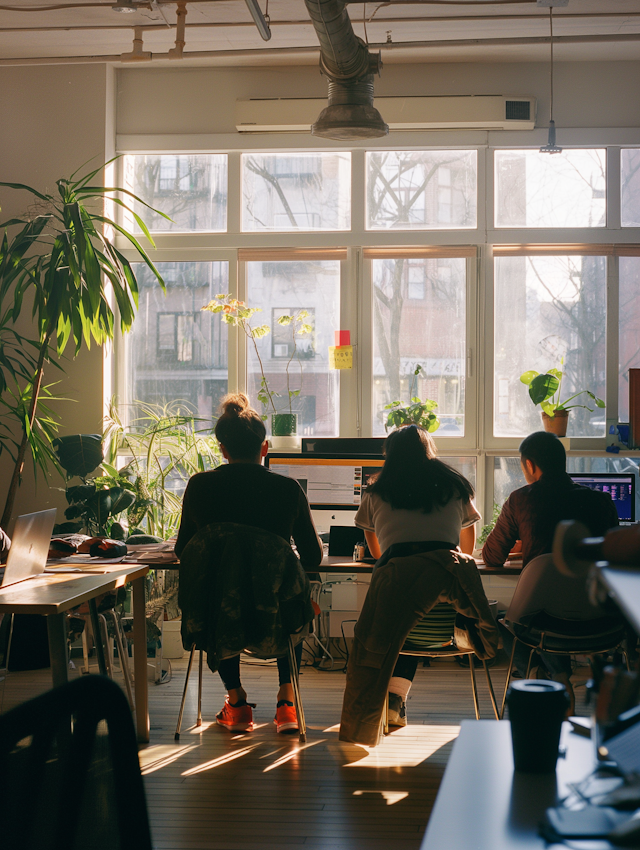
{"points": [[483, 804], [51, 595], [341, 564]]}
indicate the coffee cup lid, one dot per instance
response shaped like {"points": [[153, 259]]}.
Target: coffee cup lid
{"points": [[536, 686]]}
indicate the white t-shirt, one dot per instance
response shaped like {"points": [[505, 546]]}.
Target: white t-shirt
{"points": [[403, 526]]}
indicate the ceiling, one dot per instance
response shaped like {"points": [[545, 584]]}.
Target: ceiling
{"points": [[222, 31]]}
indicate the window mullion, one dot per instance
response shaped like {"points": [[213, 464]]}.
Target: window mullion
{"points": [[612, 359]]}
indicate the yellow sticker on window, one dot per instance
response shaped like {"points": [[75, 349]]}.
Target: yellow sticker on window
{"points": [[341, 357]]}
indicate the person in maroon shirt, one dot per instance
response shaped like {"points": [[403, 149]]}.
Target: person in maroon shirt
{"points": [[243, 491], [531, 515]]}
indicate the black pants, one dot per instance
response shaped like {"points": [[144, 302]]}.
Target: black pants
{"points": [[229, 669]]}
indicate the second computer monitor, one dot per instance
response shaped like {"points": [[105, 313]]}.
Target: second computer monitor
{"points": [[621, 486]]}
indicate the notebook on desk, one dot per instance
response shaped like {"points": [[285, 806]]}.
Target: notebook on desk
{"points": [[29, 546]]}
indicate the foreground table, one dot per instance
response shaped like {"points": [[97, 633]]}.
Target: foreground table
{"points": [[342, 564], [483, 804], [51, 595]]}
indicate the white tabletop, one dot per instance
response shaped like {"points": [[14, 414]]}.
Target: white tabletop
{"points": [[483, 804]]}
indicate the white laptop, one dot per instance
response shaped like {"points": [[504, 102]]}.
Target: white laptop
{"points": [[29, 546]]}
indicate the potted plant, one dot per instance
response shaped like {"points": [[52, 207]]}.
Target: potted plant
{"points": [[418, 412], [61, 255], [237, 314], [545, 390]]}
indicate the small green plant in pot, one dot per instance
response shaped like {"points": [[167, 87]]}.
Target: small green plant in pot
{"points": [[545, 390], [417, 412], [237, 314]]}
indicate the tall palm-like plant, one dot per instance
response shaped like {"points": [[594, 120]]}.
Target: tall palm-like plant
{"points": [[63, 255]]}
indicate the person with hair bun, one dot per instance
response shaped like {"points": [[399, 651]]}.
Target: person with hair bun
{"points": [[243, 491]]}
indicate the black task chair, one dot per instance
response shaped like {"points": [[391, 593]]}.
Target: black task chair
{"points": [[242, 589], [69, 772], [440, 623], [552, 612]]}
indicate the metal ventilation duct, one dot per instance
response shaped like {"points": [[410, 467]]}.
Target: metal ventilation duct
{"points": [[346, 61]]}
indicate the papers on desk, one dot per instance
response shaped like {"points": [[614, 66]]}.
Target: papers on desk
{"points": [[152, 553], [79, 563]]}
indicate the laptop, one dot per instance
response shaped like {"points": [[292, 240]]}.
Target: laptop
{"points": [[29, 546]]}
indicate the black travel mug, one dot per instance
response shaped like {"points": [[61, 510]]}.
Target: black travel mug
{"points": [[536, 710]]}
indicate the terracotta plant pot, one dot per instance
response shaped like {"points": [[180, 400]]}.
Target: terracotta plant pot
{"points": [[556, 424], [284, 424]]}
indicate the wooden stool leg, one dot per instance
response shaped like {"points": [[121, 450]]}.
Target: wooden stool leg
{"points": [[529, 663], [184, 693], [491, 693], [295, 682], [386, 715], [506, 684], [123, 656], [106, 643], [199, 718], [474, 686]]}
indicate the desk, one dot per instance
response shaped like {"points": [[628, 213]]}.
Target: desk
{"points": [[341, 564], [483, 804], [51, 595]]}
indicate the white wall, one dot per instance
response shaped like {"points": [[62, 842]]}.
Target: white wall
{"points": [[55, 119], [201, 100]]}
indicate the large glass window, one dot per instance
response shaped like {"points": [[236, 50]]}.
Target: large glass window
{"points": [[421, 190], [176, 352], [534, 189], [629, 329], [296, 191], [189, 188], [419, 337], [630, 187], [295, 362], [550, 313]]}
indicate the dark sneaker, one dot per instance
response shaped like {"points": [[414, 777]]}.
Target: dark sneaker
{"points": [[286, 719], [397, 710], [236, 718]]}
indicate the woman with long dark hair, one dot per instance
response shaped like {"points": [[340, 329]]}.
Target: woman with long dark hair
{"points": [[244, 491], [415, 504]]}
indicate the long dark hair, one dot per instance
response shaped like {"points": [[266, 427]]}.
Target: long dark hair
{"points": [[413, 478], [239, 428]]}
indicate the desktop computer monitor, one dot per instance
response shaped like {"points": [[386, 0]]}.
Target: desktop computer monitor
{"points": [[621, 486], [334, 484]]}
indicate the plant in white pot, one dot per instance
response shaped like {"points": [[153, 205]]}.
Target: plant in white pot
{"points": [[236, 313], [545, 390]]}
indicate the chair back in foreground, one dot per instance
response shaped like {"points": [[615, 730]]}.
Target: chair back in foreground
{"points": [[542, 587], [69, 771]]}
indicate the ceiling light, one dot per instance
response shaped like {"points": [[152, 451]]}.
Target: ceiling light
{"points": [[261, 21], [126, 6], [551, 146]]}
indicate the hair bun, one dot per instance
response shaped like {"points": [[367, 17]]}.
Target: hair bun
{"points": [[234, 404]]}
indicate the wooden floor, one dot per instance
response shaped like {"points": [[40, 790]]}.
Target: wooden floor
{"points": [[220, 791]]}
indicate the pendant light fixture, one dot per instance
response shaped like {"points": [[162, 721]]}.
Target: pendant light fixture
{"points": [[551, 146]]}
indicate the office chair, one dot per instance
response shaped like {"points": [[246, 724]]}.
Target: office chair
{"points": [[439, 625], [552, 612], [69, 771], [242, 589]]}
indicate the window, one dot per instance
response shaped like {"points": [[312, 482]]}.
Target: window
{"points": [[629, 330], [630, 187], [534, 189], [420, 190], [295, 362], [550, 312], [419, 333], [175, 352], [189, 188], [305, 191]]}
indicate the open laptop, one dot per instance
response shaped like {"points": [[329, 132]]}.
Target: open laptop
{"points": [[29, 546]]}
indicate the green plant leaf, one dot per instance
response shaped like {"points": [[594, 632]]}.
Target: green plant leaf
{"points": [[527, 377], [543, 387], [550, 409], [556, 372], [79, 454]]}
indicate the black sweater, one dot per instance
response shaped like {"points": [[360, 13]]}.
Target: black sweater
{"points": [[249, 494]]}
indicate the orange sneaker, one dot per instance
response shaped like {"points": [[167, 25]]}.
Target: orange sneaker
{"points": [[236, 718], [286, 719]]}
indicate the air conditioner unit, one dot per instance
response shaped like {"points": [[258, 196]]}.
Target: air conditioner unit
{"points": [[481, 112]]}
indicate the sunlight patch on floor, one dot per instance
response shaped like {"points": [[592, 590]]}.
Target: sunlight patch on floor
{"points": [[160, 755], [292, 755], [391, 797], [407, 747], [211, 765]]}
